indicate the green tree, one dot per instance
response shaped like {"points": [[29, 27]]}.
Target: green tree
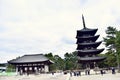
{"points": [[117, 47], [110, 38], [109, 61], [112, 42], [51, 57], [68, 63], [71, 61], [10, 68], [58, 62]]}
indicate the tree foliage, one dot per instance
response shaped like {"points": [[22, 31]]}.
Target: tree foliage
{"points": [[110, 60], [110, 38], [112, 42], [10, 68], [69, 62]]}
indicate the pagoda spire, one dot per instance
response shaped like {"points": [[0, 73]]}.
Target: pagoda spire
{"points": [[83, 21]]}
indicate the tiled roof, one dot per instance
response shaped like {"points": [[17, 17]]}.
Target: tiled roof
{"points": [[30, 59], [87, 59]]}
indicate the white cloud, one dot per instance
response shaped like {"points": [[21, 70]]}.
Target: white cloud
{"points": [[43, 26]]}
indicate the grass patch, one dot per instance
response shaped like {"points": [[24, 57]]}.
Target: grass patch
{"points": [[7, 73]]}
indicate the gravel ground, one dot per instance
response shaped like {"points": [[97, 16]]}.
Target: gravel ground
{"points": [[58, 76], [108, 76]]}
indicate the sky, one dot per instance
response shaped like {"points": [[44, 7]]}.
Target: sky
{"points": [[44, 26]]}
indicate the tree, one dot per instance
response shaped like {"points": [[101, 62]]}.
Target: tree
{"points": [[117, 46], [109, 61], [58, 62], [112, 42], [110, 38], [68, 63], [51, 57], [71, 61], [10, 68]]}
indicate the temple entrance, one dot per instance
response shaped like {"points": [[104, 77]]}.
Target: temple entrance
{"points": [[30, 69]]}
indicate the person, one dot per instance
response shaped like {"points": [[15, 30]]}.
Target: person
{"points": [[79, 73], [71, 74], [52, 73], [74, 73], [113, 70], [101, 71], [86, 71]]}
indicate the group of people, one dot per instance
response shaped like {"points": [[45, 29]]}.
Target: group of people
{"points": [[78, 73], [87, 72], [112, 70], [75, 73]]}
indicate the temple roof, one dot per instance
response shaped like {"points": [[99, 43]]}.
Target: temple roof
{"points": [[93, 51], [34, 58], [86, 31], [90, 38], [86, 45], [89, 44], [90, 59], [87, 37]]}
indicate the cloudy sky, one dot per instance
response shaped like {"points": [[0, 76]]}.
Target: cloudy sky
{"points": [[43, 26]]}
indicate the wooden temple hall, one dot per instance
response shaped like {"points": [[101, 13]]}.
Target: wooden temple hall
{"points": [[31, 64]]}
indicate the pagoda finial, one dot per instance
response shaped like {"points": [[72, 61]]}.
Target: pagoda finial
{"points": [[83, 21]]}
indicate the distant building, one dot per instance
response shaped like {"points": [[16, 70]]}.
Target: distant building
{"points": [[2, 69], [31, 64]]}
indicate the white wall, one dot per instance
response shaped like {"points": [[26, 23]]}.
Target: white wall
{"points": [[46, 68]]}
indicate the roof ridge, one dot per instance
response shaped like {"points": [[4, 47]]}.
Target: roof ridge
{"points": [[32, 54]]}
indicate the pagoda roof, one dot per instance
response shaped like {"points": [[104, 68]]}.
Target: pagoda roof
{"points": [[91, 44], [90, 59], [86, 31], [84, 38], [87, 37], [93, 51], [32, 58]]}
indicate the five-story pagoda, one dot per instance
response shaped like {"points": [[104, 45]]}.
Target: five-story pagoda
{"points": [[87, 47]]}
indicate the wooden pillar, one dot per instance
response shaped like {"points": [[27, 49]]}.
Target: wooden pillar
{"points": [[21, 70], [43, 68], [32, 69], [17, 70], [27, 69]]}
